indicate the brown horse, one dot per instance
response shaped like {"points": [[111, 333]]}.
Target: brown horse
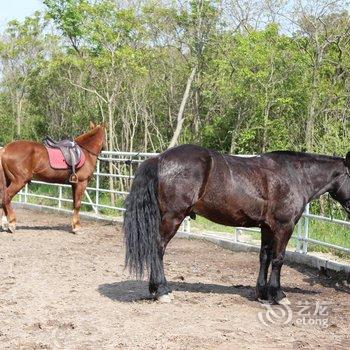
{"points": [[23, 161], [268, 191]]}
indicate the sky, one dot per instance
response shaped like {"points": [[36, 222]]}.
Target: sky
{"points": [[17, 9]]}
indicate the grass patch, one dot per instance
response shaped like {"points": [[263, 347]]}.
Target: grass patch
{"points": [[329, 233], [320, 230]]}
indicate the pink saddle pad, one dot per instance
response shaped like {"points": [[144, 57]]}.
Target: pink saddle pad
{"points": [[57, 160]]}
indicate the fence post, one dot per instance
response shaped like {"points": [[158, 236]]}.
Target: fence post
{"points": [[97, 184], [188, 224], [300, 237], [26, 193], [185, 227], [306, 229], [60, 197], [235, 235], [238, 233]]}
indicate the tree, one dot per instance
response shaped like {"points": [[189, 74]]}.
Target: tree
{"points": [[22, 47]]}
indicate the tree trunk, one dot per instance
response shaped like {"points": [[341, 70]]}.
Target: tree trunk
{"points": [[180, 117], [19, 116], [310, 123], [110, 148], [265, 128]]}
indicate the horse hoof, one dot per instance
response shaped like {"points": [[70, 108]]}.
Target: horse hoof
{"points": [[77, 230], [171, 295], [284, 301], [4, 223], [165, 298], [12, 228], [263, 301]]}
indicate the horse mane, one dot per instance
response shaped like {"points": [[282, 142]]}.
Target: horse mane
{"points": [[83, 138], [91, 140]]}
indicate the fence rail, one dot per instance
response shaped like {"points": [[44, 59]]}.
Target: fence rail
{"points": [[105, 195]]}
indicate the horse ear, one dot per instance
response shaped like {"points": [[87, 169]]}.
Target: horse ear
{"points": [[92, 125], [347, 159]]}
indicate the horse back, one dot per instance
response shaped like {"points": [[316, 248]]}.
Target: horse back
{"points": [[21, 150]]}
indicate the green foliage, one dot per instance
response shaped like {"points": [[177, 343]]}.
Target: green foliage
{"points": [[68, 15], [254, 89]]}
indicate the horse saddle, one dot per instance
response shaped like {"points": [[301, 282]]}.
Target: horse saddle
{"points": [[65, 154]]}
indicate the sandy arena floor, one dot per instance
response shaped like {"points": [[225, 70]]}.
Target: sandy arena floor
{"points": [[65, 291]]}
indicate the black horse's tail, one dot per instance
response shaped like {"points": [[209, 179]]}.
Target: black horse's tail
{"points": [[141, 221]]}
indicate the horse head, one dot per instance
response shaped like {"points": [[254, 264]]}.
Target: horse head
{"points": [[101, 128], [341, 189]]}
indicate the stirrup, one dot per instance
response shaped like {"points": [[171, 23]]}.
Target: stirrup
{"points": [[73, 178]]}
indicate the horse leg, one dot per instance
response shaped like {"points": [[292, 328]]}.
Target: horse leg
{"points": [[280, 240], [11, 191], [78, 191], [158, 284], [265, 260], [4, 222]]}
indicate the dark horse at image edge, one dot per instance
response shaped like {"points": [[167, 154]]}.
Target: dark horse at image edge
{"points": [[268, 191]]}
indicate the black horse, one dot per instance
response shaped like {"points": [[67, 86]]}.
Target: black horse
{"points": [[268, 191]]}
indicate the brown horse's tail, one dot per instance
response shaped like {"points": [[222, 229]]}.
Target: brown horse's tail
{"points": [[2, 179], [141, 221]]}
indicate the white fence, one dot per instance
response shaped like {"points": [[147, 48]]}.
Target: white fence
{"points": [[104, 197]]}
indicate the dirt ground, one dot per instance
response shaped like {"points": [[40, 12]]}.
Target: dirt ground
{"points": [[65, 291]]}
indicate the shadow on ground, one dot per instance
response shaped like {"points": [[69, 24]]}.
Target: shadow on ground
{"points": [[129, 291], [324, 278], [64, 228]]}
